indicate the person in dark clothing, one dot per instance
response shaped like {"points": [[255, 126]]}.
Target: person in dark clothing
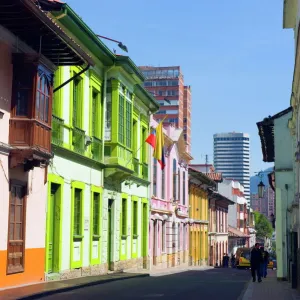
{"points": [[264, 263], [255, 261], [232, 261]]}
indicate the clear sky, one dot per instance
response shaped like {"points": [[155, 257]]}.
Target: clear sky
{"points": [[235, 55]]}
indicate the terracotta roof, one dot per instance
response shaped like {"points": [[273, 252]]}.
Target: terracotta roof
{"points": [[235, 232], [202, 177], [215, 176]]}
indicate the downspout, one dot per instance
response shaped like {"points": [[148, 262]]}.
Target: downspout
{"points": [[104, 113]]}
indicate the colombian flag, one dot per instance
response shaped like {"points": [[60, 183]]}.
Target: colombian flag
{"points": [[159, 145], [151, 139]]}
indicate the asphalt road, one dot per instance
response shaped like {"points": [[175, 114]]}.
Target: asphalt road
{"points": [[229, 284]]}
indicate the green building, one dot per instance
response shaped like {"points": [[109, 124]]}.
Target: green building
{"points": [[98, 209]]}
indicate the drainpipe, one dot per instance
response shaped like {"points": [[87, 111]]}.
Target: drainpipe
{"points": [[104, 113]]}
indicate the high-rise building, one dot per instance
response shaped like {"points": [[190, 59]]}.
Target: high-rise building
{"points": [[232, 158], [166, 84]]}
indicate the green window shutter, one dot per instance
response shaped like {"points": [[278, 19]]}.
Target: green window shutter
{"points": [[121, 119], [76, 104], [77, 212], [128, 123], [94, 114], [96, 212], [124, 216], [134, 225]]}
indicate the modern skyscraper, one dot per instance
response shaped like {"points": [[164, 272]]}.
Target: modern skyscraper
{"points": [[167, 86], [232, 158]]}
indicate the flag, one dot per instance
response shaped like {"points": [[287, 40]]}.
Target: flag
{"points": [[159, 145], [151, 139]]}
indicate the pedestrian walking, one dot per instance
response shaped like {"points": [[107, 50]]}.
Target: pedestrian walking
{"points": [[232, 261], [265, 262], [255, 261], [224, 260]]}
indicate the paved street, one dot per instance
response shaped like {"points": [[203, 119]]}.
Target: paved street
{"points": [[212, 284]]}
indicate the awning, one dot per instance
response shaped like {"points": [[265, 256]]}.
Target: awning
{"points": [[234, 232], [26, 20]]}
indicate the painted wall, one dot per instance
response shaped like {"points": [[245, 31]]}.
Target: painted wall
{"points": [[284, 181], [168, 235], [35, 229]]}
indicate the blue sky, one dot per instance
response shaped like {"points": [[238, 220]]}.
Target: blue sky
{"points": [[235, 55]]}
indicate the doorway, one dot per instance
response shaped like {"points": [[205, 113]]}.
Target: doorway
{"points": [[109, 232], [144, 234], [53, 228], [154, 243]]}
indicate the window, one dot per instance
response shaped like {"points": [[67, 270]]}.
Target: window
{"points": [[135, 135], [77, 212], [163, 236], [154, 175], [23, 87], [179, 236], [42, 98], [121, 119], [144, 147], [179, 174], [124, 216], [128, 124], [96, 114], [163, 184], [174, 179], [96, 214], [15, 251], [135, 218], [77, 104], [183, 188]]}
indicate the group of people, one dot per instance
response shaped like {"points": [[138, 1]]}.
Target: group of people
{"points": [[259, 262], [226, 260]]}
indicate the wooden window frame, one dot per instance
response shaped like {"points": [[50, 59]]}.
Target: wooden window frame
{"points": [[26, 67], [23, 185]]}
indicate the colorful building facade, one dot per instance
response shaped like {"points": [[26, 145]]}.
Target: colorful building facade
{"points": [[169, 224], [98, 181], [27, 65], [199, 216]]}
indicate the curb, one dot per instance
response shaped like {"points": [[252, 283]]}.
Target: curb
{"points": [[77, 286]]}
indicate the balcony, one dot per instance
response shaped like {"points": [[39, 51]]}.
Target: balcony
{"points": [[33, 140], [57, 131], [97, 149], [119, 162], [78, 141]]}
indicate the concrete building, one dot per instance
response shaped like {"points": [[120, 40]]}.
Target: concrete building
{"points": [[265, 205], [169, 224], [174, 97], [278, 147], [27, 65], [237, 214], [232, 158]]}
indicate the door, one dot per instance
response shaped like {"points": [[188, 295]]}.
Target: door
{"points": [[154, 243], [109, 232], [53, 216], [145, 230]]}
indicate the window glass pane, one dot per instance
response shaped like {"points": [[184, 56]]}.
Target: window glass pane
{"points": [[42, 107], [11, 231], [121, 119], [46, 108], [22, 102], [37, 105], [18, 213], [124, 216], [96, 210], [18, 231]]}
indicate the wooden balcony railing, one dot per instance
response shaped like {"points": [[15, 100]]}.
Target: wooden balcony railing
{"points": [[97, 149], [78, 140], [25, 132], [57, 130]]}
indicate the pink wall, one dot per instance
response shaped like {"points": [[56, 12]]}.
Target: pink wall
{"points": [[163, 209]]}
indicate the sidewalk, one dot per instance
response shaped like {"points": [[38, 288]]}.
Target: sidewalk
{"points": [[270, 288], [38, 290], [168, 271]]}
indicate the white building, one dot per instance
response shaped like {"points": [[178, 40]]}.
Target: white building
{"points": [[232, 158]]}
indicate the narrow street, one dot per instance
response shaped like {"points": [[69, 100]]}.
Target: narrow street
{"points": [[227, 284]]}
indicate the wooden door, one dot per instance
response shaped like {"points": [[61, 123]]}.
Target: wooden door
{"points": [[51, 233], [109, 232]]}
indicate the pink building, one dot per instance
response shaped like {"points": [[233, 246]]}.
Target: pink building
{"points": [[169, 224]]}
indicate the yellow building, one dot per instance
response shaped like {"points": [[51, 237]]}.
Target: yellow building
{"points": [[199, 217]]}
